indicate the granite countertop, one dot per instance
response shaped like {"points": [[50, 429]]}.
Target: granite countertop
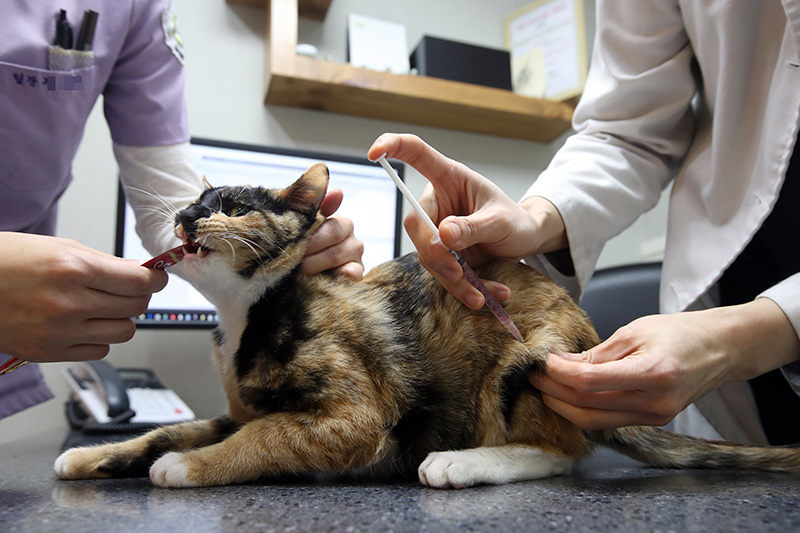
{"points": [[607, 493]]}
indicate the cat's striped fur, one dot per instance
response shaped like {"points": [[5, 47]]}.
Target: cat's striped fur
{"points": [[390, 375]]}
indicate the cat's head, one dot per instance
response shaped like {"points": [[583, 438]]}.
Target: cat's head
{"points": [[251, 232]]}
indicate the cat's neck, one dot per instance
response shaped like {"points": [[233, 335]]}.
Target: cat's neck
{"points": [[276, 317]]}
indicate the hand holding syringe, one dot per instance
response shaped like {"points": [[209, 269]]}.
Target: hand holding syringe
{"points": [[469, 274]]}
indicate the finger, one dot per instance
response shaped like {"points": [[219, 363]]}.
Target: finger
{"points": [[90, 340], [354, 271], [624, 374], [463, 292], [332, 232], [633, 401], [620, 345], [101, 305], [433, 256], [333, 257], [598, 419], [331, 203], [446, 270], [82, 352], [500, 292], [124, 277], [414, 151], [103, 331]]}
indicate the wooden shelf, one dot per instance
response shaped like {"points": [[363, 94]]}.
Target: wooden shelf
{"points": [[299, 81], [310, 9]]}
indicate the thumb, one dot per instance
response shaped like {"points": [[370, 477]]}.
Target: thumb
{"points": [[459, 233], [612, 349]]}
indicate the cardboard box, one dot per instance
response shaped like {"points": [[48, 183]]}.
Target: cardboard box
{"points": [[451, 60]]}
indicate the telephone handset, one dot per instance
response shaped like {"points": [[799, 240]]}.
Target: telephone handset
{"points": [[124, 399]]}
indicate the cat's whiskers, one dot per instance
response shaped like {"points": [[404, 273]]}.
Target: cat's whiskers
{"points": [[168, 207], [257, 249], [166, 213], [219, 197], [162, 212]]}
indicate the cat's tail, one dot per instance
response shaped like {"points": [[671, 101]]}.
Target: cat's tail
{"points": [[666, 449]]}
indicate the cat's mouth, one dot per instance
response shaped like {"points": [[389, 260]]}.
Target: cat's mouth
{"points": [[198, 249], [192, 246]]}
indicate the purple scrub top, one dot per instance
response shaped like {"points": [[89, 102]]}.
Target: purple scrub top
{"points": [[137, 67]]}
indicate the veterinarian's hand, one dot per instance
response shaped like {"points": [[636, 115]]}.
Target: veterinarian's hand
{"points": [[653, 368], [334, 247], [63, 301], [474, 216]]}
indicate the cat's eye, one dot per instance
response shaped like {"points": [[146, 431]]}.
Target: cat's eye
{"points": [[238, 211]]}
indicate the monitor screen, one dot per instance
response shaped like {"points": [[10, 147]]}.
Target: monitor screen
{"points": [[371, 201]]}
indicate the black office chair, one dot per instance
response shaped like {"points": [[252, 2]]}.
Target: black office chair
{"points": [[618, 295]]}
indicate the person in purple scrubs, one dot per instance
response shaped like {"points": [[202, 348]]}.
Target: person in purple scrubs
{"points": [[62, 301]]}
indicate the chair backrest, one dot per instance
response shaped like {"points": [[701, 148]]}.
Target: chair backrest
{"points": [[618, 295]]}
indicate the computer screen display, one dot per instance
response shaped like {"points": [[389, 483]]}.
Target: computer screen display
{"points": [[371, 200]]}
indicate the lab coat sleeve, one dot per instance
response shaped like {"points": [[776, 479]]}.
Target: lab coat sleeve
{"points": [[158, 181], [787, 295], [633, 124]]}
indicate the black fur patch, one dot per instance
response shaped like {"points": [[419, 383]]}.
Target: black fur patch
{"points": [[435, 422], [275, 325], [288, 397], [218, 337], [130, 465], [225, 427], [513, 382]]}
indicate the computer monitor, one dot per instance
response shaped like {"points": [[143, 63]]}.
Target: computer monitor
{"points": [[371, 200]]}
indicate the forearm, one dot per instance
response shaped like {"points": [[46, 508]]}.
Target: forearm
{"points": [[158, 182], [755, 338]]}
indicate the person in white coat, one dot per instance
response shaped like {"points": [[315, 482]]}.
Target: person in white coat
{"points": [[703, 95]]}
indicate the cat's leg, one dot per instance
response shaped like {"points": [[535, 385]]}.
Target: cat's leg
{"points": [[278, 444], [492, 465], [134, 457]]}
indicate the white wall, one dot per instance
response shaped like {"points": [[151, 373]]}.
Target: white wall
{"points": [[225, 58]]}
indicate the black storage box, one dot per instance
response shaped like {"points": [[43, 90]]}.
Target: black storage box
{"points": [[451, 60]]}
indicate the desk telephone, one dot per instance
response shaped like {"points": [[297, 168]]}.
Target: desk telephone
{"points": [[106, 399]]}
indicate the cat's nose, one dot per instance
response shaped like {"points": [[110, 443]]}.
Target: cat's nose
{"points": [[188, 219]]}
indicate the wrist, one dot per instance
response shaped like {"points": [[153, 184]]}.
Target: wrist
{"points": [[551, 234], [758, 336]]}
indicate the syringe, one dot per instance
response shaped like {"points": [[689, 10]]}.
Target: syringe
{"points": [[469, 274]]}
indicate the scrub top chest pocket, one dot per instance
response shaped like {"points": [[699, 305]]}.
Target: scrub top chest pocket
{"points": [[45, 112]]}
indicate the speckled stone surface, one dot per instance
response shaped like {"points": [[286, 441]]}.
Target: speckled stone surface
{"points": [[607, 493]]}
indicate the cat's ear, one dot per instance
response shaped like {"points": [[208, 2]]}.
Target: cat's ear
{"points": [[206, 183], [307, 192]]}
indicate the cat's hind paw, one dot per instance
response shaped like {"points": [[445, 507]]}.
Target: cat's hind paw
{"points": [[170, 471]]}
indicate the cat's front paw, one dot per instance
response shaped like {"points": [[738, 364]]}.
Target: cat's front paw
{"points": [[170, 471], [454, 470], [81, 463]]}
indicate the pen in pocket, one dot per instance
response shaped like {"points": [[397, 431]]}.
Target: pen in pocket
{"points": [[63, 31], [86, 33]]}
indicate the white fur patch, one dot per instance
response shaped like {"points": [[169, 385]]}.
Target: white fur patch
{"points": [[169, 471], [62, 464], [490, 465]]}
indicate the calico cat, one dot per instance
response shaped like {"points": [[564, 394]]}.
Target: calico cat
{"points": [[391, 375]]}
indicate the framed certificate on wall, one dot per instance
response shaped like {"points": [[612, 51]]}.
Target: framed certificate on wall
{"points": [[547, 43]]}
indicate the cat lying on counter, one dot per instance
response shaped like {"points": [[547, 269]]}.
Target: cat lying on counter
{"points": [[389, 376]]}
